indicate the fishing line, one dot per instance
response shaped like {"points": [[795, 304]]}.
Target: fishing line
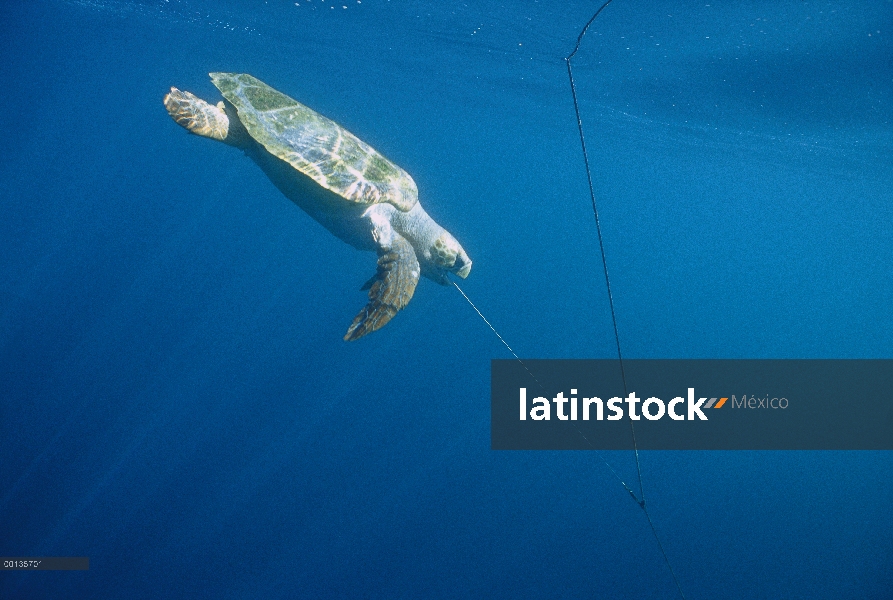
{"points": [[583, 435], [636, 499], [601, 245], [492, 328]]}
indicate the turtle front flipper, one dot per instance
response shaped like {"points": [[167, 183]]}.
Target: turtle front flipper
{"points": [[392, 288], [196, 115]]}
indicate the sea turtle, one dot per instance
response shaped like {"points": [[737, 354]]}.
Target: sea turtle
{"points": [[342, 182]]}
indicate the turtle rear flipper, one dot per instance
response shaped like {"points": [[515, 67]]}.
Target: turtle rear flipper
{"points": [[196, 115], [391, 290]]}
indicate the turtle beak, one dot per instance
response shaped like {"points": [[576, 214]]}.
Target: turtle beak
{"points": [[463, 265]]}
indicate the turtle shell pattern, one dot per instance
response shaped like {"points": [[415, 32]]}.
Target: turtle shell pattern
{"points": [[316, 146]]}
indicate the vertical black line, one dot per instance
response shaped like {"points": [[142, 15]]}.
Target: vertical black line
{"points": [[601, 245]]}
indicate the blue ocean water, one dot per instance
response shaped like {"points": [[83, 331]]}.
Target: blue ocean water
{"points": [[177, 402]]}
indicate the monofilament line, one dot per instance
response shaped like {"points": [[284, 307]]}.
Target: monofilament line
{"points": [[487, 322], [601, 246], [580, 431], [497, 333]]}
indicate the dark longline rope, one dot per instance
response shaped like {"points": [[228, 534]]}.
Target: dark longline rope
{"points": [[640, 501], [598, 228]]}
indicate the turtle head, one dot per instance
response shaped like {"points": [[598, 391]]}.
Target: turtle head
{"points": [[448, 255]]}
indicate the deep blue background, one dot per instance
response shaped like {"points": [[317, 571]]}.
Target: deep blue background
{"points": [[177, 403]]}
